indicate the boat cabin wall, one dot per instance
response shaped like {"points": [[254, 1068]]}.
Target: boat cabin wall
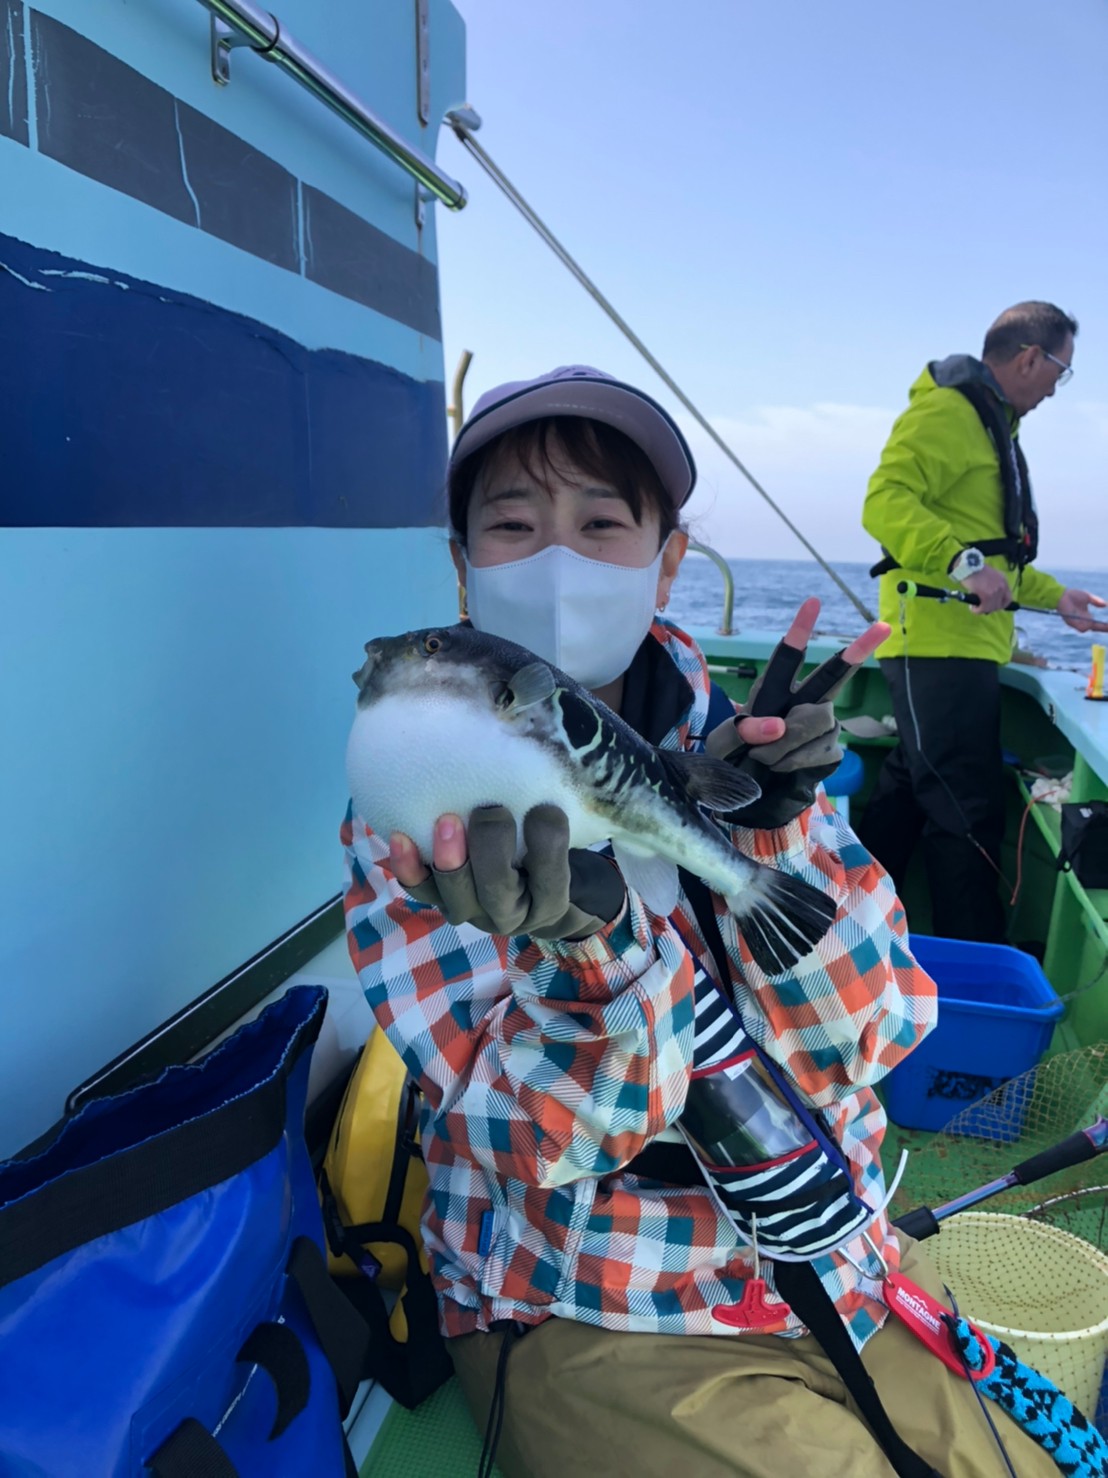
{"points": [[223, 433]]}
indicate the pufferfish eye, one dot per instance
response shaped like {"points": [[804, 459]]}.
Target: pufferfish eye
{"points": [[432, 643]]}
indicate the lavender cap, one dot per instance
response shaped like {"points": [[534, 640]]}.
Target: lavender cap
{"points": [[577, 390]]}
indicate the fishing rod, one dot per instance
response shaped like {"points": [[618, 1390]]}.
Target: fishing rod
{"points": [[1086, 1144], [911, 590]]}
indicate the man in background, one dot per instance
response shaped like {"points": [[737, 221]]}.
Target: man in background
{"points": [[951, 506]]}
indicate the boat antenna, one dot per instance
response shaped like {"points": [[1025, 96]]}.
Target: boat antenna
{"points": [[465, 122]]}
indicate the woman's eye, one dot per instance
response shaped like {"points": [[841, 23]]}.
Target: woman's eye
{"points": [[510, 526], [604, 524]]}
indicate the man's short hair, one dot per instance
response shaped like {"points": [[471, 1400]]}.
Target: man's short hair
{"points": [[1028, 323]]}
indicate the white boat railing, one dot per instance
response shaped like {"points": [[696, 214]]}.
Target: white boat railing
{"points": [[725, 627], [241, 23]]}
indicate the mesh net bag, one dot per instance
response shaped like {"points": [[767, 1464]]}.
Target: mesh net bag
{"points": [[1019, 1119], [1038, 1288], [1035, 1275], [1084, 1213]]}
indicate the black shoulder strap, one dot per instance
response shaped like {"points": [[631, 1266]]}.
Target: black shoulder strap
{"points": [[1021, 523], [798, 1282], [191, 1452], [987, 546], [799, 1285], [409, 1370]]}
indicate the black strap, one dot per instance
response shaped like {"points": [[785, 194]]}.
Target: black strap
{"points": [[342, 1335], [797, 1282], [409, 1370], [1021, 522], [800, 1286], [1008, 547], [699, 896], [512, 1330], [277, 1349], [191, 1452]]}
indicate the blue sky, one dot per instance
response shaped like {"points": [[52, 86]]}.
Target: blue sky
{"points": [[796, 206]]}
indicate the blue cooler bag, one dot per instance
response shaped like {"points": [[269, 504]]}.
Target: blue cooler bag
{"points": [[164, 1303]]}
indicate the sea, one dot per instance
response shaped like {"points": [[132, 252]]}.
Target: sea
{"points": [[768, 591]]}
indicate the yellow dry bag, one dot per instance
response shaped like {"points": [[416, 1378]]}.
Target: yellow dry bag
{"points": [[372, 1186]]}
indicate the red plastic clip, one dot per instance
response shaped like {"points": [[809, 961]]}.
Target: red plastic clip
{"points": [[752, 1311], [926, 1318]]}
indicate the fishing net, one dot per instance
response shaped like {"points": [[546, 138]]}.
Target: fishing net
{"points": [[1084, 1213], [1037, 1275], [1040, 1289], [1019, 1119]]}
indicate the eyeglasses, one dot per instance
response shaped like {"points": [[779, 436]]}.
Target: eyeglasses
{"points": [[1067, 369]]}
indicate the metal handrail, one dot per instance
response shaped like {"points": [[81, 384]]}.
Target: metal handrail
{"points": [[241, 23], [456, 409], [728, 583]]}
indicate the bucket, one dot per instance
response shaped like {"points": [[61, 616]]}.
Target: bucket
{"points": [[996, 1017], [1039, 1289]]}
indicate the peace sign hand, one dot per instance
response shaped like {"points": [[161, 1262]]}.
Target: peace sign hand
{"points": [[789, 739]]}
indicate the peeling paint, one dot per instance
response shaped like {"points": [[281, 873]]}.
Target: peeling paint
{"points": [[307, 250], [86, 277], [184, 164], [14, 121], [300, 253], [38, 87], [38, 286], [11, 65]]}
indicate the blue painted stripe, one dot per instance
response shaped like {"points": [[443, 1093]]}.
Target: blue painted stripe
{"points": [[126, 404]]}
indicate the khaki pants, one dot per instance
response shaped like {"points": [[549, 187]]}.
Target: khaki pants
{"points": [[585, 1401]]}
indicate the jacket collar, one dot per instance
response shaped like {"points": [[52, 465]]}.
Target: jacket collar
{"points": [[666, 688]]}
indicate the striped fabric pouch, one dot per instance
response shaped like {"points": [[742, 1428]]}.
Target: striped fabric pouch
{"points": [[773, 1168]]}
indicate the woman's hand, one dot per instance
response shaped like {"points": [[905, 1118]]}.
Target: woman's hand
{"points": [[554, 892], [789, 741]]}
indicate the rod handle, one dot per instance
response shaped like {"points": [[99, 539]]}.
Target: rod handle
{"points": [[919, 1223], [911, 588], [1059, 1156]]}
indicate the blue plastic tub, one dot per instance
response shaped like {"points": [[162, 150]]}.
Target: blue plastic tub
{"points": [[847, 779], [996, 1015]]}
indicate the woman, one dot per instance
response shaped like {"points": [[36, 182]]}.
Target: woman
{"points": [[556, 1068]]}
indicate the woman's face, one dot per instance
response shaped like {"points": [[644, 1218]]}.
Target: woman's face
{"points": [[512, 515]]}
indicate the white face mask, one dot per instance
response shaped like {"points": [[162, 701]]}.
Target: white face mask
{"points": [[584, 616]]}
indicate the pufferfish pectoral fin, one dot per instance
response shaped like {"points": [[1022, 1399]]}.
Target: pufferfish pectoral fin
{"points": [[652, 877], [530, 685], [712, 783]]}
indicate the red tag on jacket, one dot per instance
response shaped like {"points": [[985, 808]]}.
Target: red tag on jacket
{"points": [[926, 1318]]}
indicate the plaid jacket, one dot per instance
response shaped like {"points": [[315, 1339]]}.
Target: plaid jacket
{"points": [[547, 1067]]}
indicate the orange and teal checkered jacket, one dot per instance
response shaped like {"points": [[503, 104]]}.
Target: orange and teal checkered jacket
{"points": [[548, 1066]]}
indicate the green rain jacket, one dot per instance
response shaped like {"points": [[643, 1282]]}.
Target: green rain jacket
{"points": [[937, 491]]}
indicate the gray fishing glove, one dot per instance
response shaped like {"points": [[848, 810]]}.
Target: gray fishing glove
{"points": [[555, 892], [788, 770]]}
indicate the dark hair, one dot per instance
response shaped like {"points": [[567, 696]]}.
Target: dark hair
{"points": [[1028, 323], [557, 443]]}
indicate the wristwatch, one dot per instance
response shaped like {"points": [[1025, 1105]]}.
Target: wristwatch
{"points": [[969, 562]]}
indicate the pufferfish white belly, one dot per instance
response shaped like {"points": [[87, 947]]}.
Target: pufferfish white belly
{"points": [[452, 757]]}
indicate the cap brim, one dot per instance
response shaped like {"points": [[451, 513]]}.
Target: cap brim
{"points": [[610, 401]]}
